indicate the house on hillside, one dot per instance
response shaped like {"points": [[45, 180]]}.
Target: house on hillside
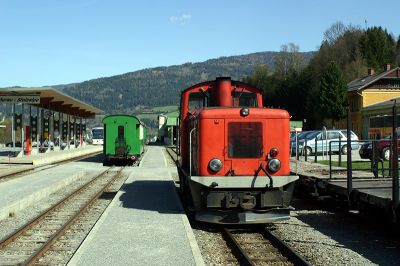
{"points": [[168, 128], [366, 96]]}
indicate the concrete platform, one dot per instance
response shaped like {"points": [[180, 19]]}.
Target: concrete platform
{"points": [[12, 165], [17, 194], [145, 224], [52, 156], [365, 188]]}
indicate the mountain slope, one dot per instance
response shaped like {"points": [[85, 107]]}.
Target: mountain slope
{"points": [[160, 86]]}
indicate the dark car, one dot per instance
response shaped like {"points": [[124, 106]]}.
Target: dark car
{"points": [[10, 144], [382, 149], [366, 150]]}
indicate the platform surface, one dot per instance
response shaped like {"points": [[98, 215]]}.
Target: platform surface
{"points": [[376, 191], [145, 224], [13, 165]]}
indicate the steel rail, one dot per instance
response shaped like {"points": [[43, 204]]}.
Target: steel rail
{"points": [[285, 249], [10, 238], [46, 246], [239, 253]]}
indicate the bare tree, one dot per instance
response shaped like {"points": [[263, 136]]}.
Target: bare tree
{"points": [[334, 32], [288, 60]]}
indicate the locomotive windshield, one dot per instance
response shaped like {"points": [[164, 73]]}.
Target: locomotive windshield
{"points": [[244, 99], [197, 100], [244, 140]]}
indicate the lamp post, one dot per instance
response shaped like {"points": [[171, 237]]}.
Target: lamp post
{"points": [[349, 165], [395, 163]]}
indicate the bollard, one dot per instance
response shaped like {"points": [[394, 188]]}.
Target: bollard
{"points": [[340, 151], [390, 156], [305, 149], [316, 150], [330, 160]]}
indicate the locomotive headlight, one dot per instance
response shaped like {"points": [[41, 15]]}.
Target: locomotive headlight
{"points": [[274, 165], [244, 112], [215, 165]]}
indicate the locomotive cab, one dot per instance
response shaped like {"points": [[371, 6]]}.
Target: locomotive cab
{"points": [[235, 156]]}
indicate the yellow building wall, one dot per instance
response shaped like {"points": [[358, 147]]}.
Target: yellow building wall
{"points": [[359, 100], [371, 96]]}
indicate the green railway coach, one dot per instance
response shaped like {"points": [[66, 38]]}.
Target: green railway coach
{"points": [[124, 139]]}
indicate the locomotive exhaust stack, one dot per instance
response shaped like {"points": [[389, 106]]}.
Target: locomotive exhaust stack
{"points": [[222, 92]]}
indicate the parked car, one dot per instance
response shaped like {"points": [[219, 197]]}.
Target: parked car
{"points": [[323, 141], [300, 137], [10, 144], [382, 149]]}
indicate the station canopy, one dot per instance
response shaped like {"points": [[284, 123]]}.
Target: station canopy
{"points": [[49, 98]]}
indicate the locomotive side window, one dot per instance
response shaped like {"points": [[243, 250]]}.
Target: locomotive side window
{"points": [[244, 140], [244, 99], [197, 100]]}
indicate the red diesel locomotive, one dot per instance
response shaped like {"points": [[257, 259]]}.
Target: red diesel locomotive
{"points": [[234, 154]]}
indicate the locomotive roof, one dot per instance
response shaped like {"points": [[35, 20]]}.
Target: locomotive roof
{"points": [[122, 115], [233, 82]]}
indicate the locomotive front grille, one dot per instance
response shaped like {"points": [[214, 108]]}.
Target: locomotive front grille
{"points": [[243, 199], [245, 139]]}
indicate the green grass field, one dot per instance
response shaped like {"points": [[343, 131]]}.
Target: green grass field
{"points": [[362, 166]]}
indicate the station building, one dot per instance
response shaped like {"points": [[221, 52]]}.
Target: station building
{"points": [[45, 114], [370, 101], [168, 128]]}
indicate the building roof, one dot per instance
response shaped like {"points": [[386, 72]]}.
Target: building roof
{"points": [[54, 100], [363, 82], [172, 121]]}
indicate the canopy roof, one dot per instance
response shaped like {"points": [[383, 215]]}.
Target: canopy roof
{"points": [[54, 100]]}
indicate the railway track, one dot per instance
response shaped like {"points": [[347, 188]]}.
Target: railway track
{"points": [[259, 246], [53, 236], [172, 153], [46, 166]]}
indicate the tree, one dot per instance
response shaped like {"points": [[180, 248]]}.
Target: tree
{"points": [[397, 61], [288, 60], [334, 32], [259, 78], [377, 47], [333, 89]]}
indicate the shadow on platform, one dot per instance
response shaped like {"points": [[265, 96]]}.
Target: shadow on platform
{"points": [[151, 195]]}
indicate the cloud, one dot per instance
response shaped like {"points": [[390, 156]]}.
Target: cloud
{"points": [[181, 19]]}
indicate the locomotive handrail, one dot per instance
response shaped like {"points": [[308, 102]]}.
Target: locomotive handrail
{"points": [[190, 151]]}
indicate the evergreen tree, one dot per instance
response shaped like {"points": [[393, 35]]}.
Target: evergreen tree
{"points": [[259, 78], [377, 47], [333, 89], [397, 61]]}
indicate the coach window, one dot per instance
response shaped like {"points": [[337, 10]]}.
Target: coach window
{"points": [[121, 132], [244, 99]]}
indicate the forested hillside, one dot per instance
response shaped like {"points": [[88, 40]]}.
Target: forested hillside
{"points": [[132, 92]]}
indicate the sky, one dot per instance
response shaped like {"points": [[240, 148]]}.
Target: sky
{"points": [[51, 42]]}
